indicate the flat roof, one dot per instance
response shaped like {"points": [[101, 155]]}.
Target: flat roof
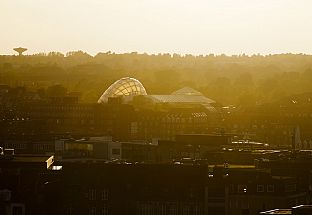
{"points": [[28, 158], [30, 161], [277, 211], [234, 166], [287, 211], [303, 207]]}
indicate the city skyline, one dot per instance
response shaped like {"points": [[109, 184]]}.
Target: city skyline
{"points": [[155, 107]]}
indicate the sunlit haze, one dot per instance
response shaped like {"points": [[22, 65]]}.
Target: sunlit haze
{"points": [[153, 26]]}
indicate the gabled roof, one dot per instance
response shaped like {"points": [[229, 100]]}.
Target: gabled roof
{"points": [[187, 91]]}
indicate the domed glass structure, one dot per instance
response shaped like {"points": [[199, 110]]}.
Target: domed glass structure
{"points": [[123, 87]]}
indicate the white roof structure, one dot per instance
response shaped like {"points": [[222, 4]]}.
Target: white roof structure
{"points": [[182, 99], [132, 87], [185, 95], [123, 87]]}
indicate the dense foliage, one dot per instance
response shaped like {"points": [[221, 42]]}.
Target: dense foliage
{"points": [[238, 80]]}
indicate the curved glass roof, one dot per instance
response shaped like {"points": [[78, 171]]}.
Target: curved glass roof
{"points": [[123, 87]]}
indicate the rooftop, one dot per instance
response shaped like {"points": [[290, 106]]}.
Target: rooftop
{"points": [[277, 211], [234, 166], [307, 209], [182, 99], [25, 160], [187, 91]]}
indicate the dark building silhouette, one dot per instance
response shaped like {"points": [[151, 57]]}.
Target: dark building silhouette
{"points": [[36, 185], [22, 179], [297, 210], [133, 189]]}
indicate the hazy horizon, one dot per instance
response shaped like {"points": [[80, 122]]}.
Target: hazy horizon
{"points": [[183, 27], [27, 53]]}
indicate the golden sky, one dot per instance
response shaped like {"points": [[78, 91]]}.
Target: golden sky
{"points": [[153, 26]]}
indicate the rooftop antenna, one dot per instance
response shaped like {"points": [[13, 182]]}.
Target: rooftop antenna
{"points": [[20, 50]]}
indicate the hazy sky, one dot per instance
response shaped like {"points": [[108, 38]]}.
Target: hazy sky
{"points": [[153, 26]]}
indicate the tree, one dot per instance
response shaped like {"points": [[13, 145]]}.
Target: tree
{"points": [[56, 91]]}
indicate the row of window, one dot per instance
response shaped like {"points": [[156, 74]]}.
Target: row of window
{"points": [[290, 188], [298, 115], [98, 211], [270, 188], [43, 147], [242, 188], [15, 145], [167, 208], [243, 204], [262, 188], [59, 108], [92, 194]]}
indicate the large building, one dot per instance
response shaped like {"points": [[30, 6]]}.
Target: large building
{"points": [[131, 89], [22, 182], [185, 111]]}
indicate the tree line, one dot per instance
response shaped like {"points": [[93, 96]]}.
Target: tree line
{"points": [[230, 80]]}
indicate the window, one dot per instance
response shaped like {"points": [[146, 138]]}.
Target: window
{"points": [[242, 188], [92, 211], [186, 210], [232, 188], [104, 194], [260, 188], [69, 210], [172, 210], [17, 209], [115, 151], [270, 188], [290, 188], [92, 194], [104, 210]]}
